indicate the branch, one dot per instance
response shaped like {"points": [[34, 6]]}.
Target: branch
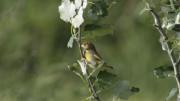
{"points": [[90, 84], [168, 48]]}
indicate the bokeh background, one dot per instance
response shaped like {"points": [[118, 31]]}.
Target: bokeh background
{"points": [[34, 54]]}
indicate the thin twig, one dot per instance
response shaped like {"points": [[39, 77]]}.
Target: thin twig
{"points": [[90, 84], [158, 26]]}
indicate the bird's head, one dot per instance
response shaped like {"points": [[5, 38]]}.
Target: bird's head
{"points": [[87, 45]]}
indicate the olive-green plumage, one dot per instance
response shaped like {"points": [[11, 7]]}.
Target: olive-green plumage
{"points": [[92, 57]]}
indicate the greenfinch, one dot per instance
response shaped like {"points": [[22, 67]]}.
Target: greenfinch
{"points": [[92, 57]]}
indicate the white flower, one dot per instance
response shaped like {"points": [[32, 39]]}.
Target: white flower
{"points": [[78, 3], [72, 11], [84, 4], [67, 10], [78, 19]]}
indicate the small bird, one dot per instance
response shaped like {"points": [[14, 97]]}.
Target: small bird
{"points": [[92, 57]]}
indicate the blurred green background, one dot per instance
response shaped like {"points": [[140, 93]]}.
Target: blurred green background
{"points": [[34, 56]]}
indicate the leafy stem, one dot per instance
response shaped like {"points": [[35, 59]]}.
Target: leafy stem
{"points": [[175, 62], [77, 33]]}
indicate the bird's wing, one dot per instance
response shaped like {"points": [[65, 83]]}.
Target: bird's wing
{"points": [[97, 56]]}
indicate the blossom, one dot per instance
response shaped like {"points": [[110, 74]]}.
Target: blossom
{"points": [[67, 10], [78, 19], [84, 4], [73, 11], [78, 3]]}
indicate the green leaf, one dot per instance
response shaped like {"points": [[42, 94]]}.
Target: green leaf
{"points": [[176, 28], [94, 30], [169, 20], [166, 2], [170, 26], [143, 10], [178, 34], [163, 45], [90, 27], [98, 9], [76, 70], [165, 9], [106, 76], [122, 90], [73, 67], [105, 79], [135, 89], [83, 66], [70, 42], [172, 93], [163, 71]]}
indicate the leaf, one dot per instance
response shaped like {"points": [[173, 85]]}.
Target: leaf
{"points": [[169, 20], [106, 76], [105, 79], [177, 21], [73, 67], [98, 10], [176, 27], [163, 71], [143, 10], [70, 42], [164, 22], [91, 15], [170, 26], [83, 66], [178, 34], [165, 9], [172, 93], [123, 91], [90, 27], [163, 45], [94, 30]]}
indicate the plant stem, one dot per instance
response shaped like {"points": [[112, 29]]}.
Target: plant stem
{"points": [[90, 84], [175, 62]]}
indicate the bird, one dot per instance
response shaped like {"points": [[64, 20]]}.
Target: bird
{"points": [[92, 57]]}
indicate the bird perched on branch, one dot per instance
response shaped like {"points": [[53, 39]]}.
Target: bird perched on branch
{"points": [[92, 57]]}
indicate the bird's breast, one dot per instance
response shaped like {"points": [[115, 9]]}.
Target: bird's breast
{"points": [[89, 56]]}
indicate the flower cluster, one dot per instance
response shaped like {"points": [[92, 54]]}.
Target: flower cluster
{"points": [[72, 11]]}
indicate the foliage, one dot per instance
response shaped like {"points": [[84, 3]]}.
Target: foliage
{"points": [[166, 21], [123, 90], [34, 54], [164, 71], [103, 78]]}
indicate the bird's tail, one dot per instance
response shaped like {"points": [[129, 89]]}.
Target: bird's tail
{"points": [[108, 66]]}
